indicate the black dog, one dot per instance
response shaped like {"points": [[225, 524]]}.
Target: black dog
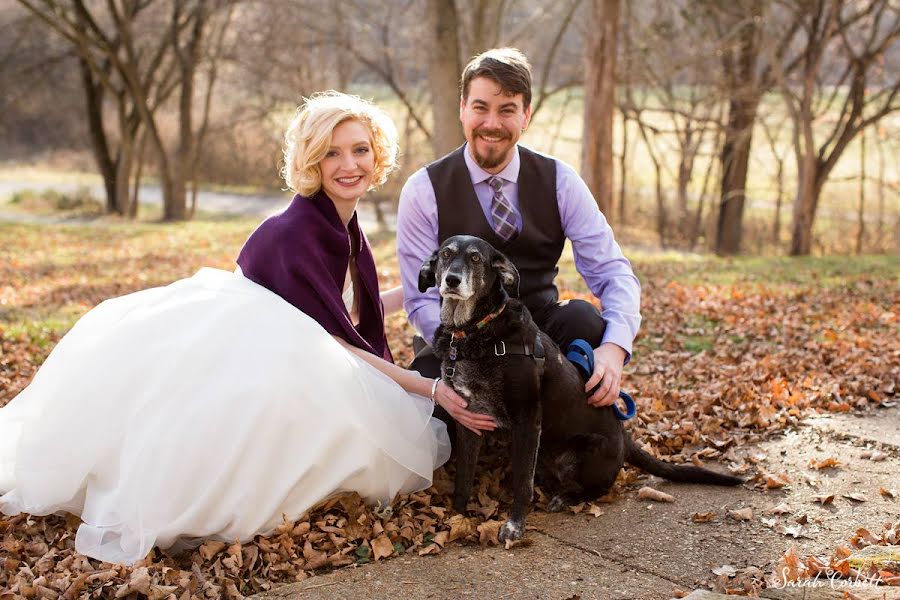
{"points": [[494, 355]]}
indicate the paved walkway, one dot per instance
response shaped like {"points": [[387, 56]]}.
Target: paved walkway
{"points": [[643, 550], [248, 205]]}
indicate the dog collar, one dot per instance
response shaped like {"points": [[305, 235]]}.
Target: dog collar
{"points": [[461, 333]]}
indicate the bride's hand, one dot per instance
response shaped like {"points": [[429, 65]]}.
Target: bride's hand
{"points": [[455, 405]]}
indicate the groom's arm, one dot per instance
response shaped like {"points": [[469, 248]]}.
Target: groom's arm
{"points": [[417, 238]]}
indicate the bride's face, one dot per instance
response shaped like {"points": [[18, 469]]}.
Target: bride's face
{"points": [[349, 163]]}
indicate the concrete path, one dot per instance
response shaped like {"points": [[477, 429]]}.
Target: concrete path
{"points": [[644, 550]]}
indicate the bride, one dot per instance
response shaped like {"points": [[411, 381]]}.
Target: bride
{"points": [[213, 406]]}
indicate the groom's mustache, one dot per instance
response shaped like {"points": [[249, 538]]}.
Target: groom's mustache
{"points": [[498, 133]]}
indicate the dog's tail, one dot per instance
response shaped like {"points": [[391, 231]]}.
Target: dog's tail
{"points": [[638, 457]]}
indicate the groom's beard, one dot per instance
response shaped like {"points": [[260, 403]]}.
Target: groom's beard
{"points": [[495, 156], [492, 160]]}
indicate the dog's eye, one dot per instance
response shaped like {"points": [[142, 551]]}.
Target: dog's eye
{"points": [[476, 258], [445, 253]]}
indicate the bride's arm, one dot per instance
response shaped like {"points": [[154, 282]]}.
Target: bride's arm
{"points": [[414, 383], [392, 300]]}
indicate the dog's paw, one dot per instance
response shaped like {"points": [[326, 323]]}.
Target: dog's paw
{"points": [[557, 504], [511, 531]]}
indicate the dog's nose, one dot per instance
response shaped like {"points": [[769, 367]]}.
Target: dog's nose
{"points": [[452, 280]]}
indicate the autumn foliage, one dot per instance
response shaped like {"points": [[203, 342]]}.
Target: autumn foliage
{"points": [[728, 353]]}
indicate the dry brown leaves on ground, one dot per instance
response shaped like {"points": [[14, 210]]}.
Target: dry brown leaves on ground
{"points": [[867, 559], [716, 367]]}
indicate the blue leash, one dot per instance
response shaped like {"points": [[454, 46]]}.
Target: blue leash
{"points": [[580, 353]]}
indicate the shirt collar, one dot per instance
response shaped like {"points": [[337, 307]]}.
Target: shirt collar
{"points": [[509, 173]]}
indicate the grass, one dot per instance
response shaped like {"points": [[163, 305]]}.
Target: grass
{"points": [[52, 274]]}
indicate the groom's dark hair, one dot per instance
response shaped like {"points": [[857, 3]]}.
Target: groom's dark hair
{"points": [[507, 67]]}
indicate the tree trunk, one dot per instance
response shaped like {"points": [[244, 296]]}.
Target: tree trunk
{"points": [[443, 77], [93, 96], [808, 190], [183, 166], [735, 159], [779, 200], [140, 156], [861, 211], [685, 174], [744, 96], [600, 102], [124, 163], [707, 177], [623, 172]]}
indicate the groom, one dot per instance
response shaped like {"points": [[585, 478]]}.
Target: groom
{"points": [[526, 204]]}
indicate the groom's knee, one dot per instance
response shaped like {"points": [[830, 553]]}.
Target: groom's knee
{"points": [[570, 320], [425, 362]]}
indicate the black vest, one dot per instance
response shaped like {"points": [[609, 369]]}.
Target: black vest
{"points": [[537, 248]]}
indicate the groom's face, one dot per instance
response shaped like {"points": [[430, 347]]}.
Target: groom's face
{"points": [[492, 121]]}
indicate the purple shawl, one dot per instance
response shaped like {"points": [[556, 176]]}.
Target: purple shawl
{"points": [[302, 255]]}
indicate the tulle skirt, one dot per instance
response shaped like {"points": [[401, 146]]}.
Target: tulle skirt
{"points": [[209, 408]]}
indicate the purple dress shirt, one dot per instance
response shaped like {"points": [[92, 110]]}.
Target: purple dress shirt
{"points": [[598, 257]]}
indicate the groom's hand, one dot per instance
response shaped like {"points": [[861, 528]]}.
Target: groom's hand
{"points": [[609, 360], [455, 405]]}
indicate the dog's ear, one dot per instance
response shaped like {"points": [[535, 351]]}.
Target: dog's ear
{"points": [[509, 275], [426, 273]]}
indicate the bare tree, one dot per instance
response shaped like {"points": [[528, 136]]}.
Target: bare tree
{"points": [[119, 53], [753, 37], [600, 102], [443, 76], [857, 90], [482, 20]]}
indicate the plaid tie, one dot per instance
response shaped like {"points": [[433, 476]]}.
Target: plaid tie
{"points": [[502, 211]]}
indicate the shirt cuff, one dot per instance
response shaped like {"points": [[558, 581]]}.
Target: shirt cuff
{"points": [[619, 336]]}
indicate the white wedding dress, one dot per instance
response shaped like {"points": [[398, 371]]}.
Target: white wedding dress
{"points": [[208, 408]]}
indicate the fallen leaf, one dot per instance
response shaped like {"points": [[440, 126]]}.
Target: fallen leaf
{"points": [[595, 510], [648, 493], [382, 547], [795, 531], [823, 498], [725, 570], [461, 527], [781, 509], [826, 463], [488, 532], [744, 514], [774, 482], [888, 493], [441, 538], [138, 583], [211, 548], [703, 517], [856, 496], [577, 508]]}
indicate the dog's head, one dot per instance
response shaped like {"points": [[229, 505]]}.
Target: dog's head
{"points": [[468, 268]]}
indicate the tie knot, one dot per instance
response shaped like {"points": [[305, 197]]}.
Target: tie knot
{"points": [[496, 184]]}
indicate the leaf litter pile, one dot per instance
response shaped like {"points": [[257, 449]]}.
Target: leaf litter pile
{"points": [[717, 366]]}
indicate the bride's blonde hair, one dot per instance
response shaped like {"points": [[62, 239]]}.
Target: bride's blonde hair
{"points": [[309, 136]]}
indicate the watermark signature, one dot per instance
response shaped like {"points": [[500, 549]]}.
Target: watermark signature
{"points": [[827, 577]]}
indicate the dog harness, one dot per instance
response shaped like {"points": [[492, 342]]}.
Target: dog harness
{"points": [[501, 348]]}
